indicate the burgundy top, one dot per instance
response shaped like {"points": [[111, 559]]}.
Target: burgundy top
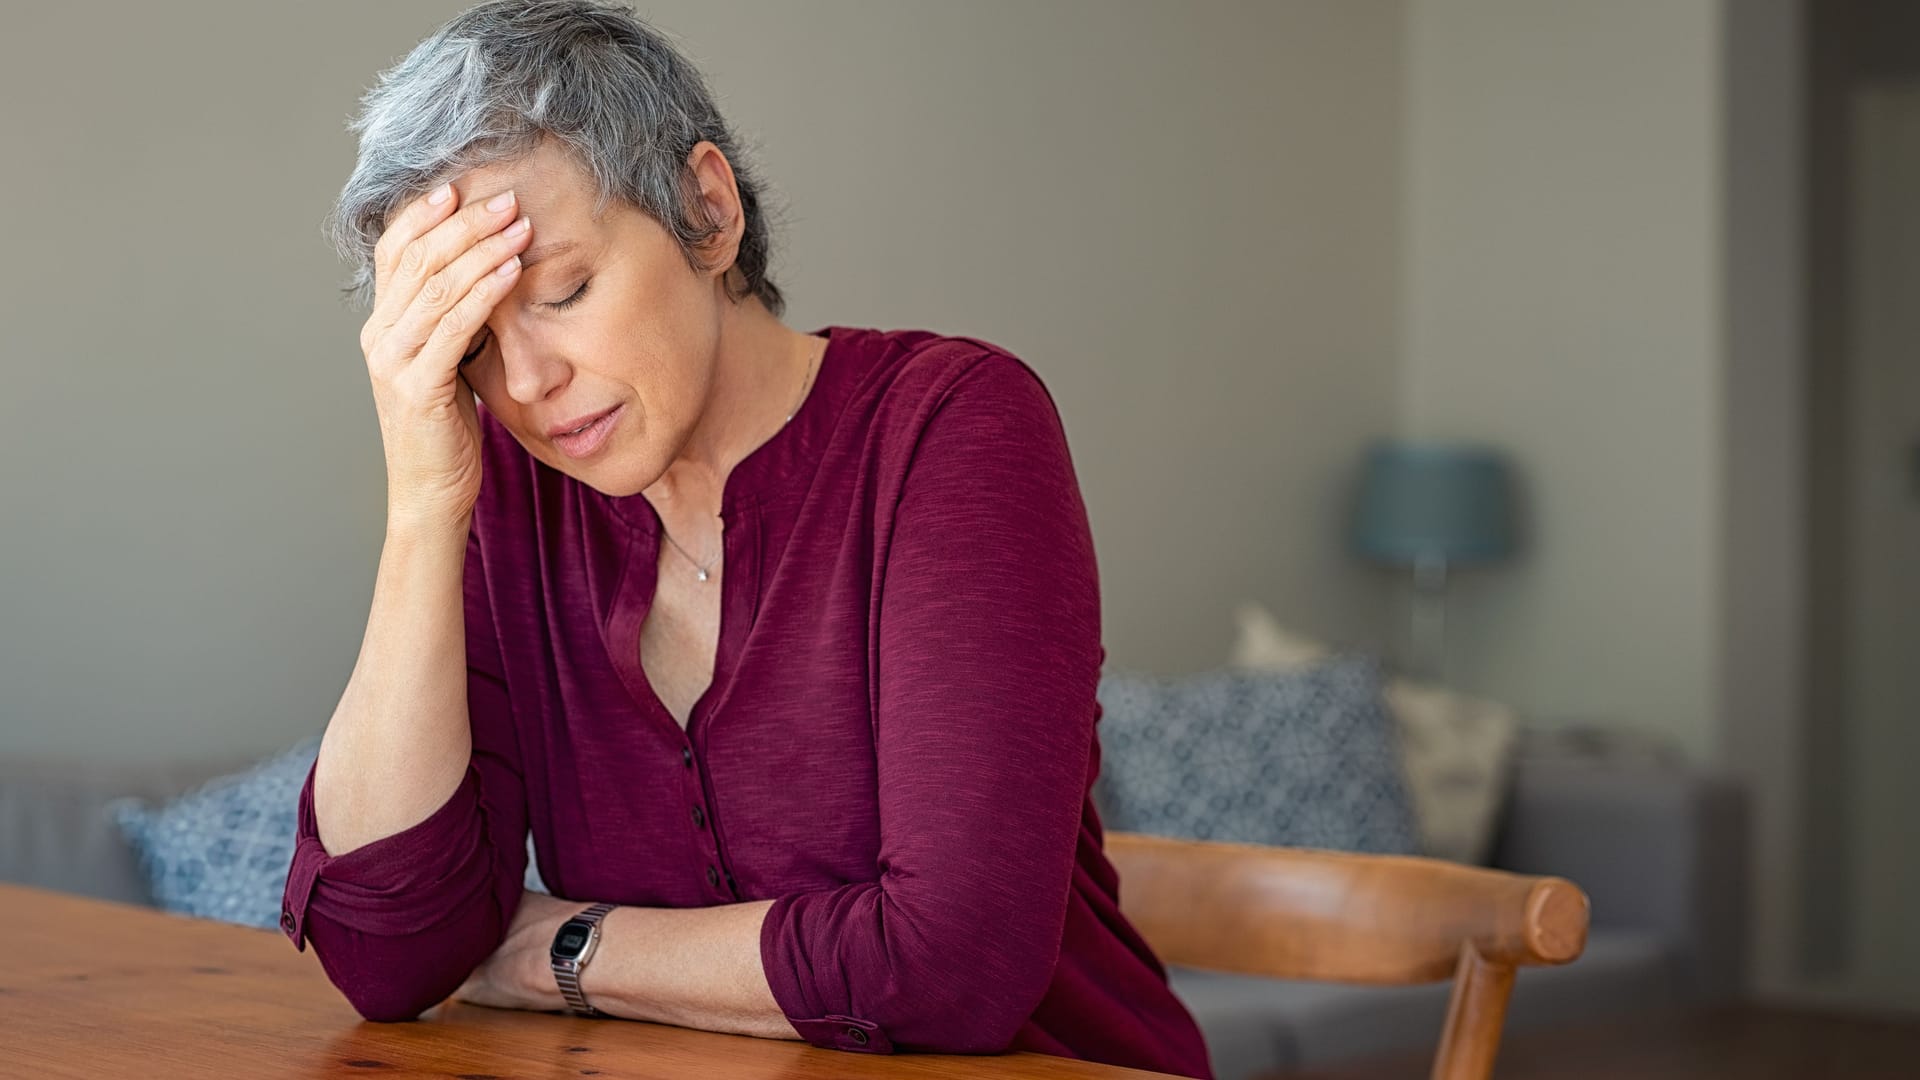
{"points": [[897, 747]]}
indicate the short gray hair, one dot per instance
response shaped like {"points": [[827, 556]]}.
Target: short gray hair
{"points": [[500, 77]]}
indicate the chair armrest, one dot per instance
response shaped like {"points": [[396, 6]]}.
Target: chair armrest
{"points": [[1306, 914], [1659, 848]]}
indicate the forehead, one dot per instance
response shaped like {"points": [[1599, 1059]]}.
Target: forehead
{"points": [[547, 183]]}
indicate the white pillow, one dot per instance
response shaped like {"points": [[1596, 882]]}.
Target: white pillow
{"points": [[1456, 749]]}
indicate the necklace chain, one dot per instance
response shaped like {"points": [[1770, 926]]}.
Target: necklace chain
{"points": [[701, 571]]}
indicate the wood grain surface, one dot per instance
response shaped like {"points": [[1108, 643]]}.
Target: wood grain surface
{"points": [[1296, 913], [90, 989]]}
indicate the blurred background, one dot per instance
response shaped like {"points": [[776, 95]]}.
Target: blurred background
{"points": [[1650, 262]]}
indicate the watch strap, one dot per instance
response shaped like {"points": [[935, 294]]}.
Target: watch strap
{"points": [[568, 974]]}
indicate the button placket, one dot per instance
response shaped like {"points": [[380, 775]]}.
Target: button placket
{"points": [[710, 842]]}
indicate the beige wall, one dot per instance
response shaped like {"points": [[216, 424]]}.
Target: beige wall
{"points": [[1562, 297], [1602, 274], [1185, 216]]}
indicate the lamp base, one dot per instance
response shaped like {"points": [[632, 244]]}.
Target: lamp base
{"points": [[1427, 658]]}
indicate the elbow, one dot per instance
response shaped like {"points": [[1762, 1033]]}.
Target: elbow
{"points": [[386, 982], [393, 999], [938, 985], [967, 1024], [969, 1007], [387, 1010]]}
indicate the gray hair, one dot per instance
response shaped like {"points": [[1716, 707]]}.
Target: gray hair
{"points": [[500, 77]]}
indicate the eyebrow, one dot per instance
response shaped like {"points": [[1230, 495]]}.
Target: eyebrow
{"points": [[541, 251]]}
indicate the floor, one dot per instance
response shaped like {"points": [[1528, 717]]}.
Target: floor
{"points": [[1747, 1042]]}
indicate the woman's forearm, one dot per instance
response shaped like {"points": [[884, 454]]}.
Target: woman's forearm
{"points": [[399, 741], [691, 967]]}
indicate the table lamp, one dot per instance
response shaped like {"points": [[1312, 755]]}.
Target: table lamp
{"points": [[1432, 505]]}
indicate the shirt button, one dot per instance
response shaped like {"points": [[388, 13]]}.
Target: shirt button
{"points": [[686, 756], [699, 818], [713, 877], [286, 921], [859, 1037]]}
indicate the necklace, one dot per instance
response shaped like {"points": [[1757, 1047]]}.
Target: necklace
{"points": [[701, 572]]}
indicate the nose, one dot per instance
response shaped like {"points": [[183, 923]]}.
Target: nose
{"points": [[531, 370]]}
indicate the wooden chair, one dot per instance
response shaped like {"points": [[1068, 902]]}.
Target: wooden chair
{"points": [[1320, 915]]}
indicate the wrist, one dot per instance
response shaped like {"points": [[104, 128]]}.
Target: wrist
{"points": [[414, 528], [537, 972], [577, 940]]}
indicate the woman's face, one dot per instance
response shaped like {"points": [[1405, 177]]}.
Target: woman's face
{"points": [[606, 315]]}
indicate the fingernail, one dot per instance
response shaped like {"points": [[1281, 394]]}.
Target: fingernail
{"points": [[510, 267], [517, 227], [500, 202], [441, 194]]}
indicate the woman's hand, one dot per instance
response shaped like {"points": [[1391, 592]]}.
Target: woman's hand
{"points": [[438, 274], [519, 974]]}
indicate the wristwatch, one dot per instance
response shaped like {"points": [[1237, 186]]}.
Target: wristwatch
{"points": [[573, 946]]}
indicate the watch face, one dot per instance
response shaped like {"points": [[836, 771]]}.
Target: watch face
{"points": [[572, 939]]}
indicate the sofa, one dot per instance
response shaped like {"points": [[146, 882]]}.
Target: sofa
{"points": [[1660, 848]]}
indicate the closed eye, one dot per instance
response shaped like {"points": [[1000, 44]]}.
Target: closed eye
{"points": [[562, 305], [474, 353], [558, 305]]}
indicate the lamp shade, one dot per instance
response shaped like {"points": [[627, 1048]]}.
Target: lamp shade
{"points": [[1434, 501]]}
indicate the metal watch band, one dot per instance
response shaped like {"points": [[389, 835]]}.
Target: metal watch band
{"points": [[568, 975]]}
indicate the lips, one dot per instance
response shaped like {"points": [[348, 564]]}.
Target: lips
{"points": [[588, 440], [568, 427]]}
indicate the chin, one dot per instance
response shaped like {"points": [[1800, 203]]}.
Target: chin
{"points": [[617, 478]]}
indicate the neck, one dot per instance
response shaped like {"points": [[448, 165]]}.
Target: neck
{"points": [[760, 367]]}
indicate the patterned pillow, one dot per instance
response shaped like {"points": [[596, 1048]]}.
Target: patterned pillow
{"points": [[222, 851], [1296, 759], [1457, 749]]}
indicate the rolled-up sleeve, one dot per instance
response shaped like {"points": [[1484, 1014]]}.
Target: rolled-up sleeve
{"points": [[399, 923], [988, 659]]}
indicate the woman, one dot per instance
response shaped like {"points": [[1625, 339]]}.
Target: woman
{"points": [[782, 645]]}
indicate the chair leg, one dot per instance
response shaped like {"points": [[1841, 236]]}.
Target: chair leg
{"points": [[1475, 1015]]}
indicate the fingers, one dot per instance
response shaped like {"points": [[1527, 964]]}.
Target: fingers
{"points": [[453, 303], [411, 222], [424, 238]]}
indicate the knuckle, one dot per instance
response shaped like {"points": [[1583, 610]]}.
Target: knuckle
{"points": [[453, 324], [436, 289], [476, 212], [413, 258]]}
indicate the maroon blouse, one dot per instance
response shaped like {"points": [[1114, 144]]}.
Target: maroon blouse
{"points": [[897, 747]]}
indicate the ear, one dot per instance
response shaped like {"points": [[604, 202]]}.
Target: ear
{"points": [[717, 198]]}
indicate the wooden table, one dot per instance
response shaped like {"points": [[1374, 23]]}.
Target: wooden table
{"points": [[91, 989], [1744, 1042]]}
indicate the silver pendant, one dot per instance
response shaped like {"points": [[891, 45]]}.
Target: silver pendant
{"points": [[703, 575]]}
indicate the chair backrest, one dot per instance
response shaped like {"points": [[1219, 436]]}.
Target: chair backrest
{"points": [[1331, 916]]}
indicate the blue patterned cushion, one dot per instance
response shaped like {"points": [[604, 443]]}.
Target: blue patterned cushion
{"points": [[1304, 758], [222, 850]]}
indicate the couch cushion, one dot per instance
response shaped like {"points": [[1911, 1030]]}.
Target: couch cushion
{"points": [[54, 828], [1457, 749], [1254, 1025], [222, 850], [1298, 759]]}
